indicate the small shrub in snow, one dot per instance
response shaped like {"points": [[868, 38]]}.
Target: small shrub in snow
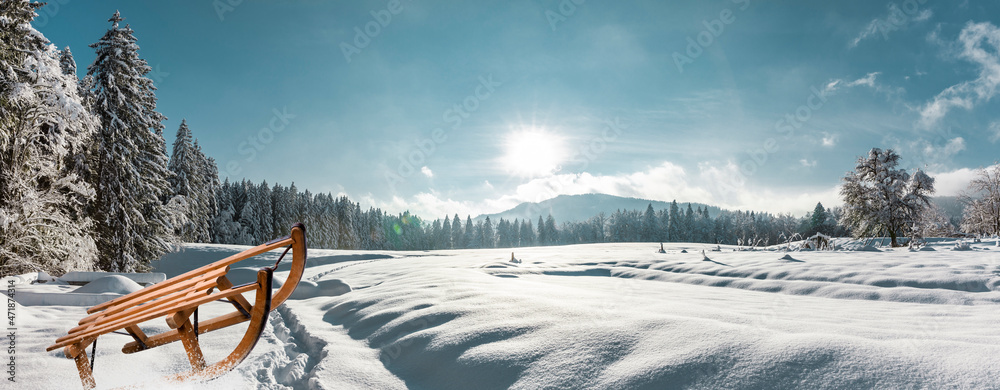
{"points": [[962, 246]]}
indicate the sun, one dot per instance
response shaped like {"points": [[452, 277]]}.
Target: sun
{"points": [[533, 153]]}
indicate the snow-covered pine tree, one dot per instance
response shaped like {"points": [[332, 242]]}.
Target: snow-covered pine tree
{"points": [[648, 232], [67, 63], [552, 235], [543, 234], [879, 198], [469, 240], [43, 125], [456, 232], [489, 235], [225, 227], [688, 229], [262, 197], [674, 230], [209, 173], [249, 216], [446, 234], [186, 183], [528, 237], [503, 234], [131, 166]]}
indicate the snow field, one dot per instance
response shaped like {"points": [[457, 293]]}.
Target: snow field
{"points": [[595, 316]]}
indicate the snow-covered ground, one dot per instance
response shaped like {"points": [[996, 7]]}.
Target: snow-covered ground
{"points": [[590, 316]]}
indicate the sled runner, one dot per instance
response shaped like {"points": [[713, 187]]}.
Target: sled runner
{"points": [[177, 299]]}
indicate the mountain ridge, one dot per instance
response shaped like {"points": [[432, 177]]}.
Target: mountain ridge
{"points": [[578, 208]]}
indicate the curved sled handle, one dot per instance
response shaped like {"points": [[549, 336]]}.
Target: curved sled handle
{"points": [[298, 237], [258, 321]]}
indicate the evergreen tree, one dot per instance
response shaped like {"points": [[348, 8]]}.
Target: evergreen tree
{"points": [[132, 164], [527, 235], [543, 234], [456, 233], [469, 240], [67, 63], [674, 228], [551, 233], [648, 232], [445, 240], [489, 236], [186, 182], [208, 207], [44, 128], [817, 220], [688, 225]]}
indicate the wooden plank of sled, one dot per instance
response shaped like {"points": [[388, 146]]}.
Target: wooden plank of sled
{"points": [[142, 316], [149, 292]]}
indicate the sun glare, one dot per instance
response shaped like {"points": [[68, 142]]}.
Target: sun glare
{"points": [[533, 152]]}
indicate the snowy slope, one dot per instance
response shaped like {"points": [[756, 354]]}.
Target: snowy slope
{"points": [[596, 316]]}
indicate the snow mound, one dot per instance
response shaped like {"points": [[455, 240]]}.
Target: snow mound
{"points": [[323, 288], [788, 257], [115, 284], [868, 248]]}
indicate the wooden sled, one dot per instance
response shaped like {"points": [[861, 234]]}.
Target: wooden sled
{"points": [[177, 299]]}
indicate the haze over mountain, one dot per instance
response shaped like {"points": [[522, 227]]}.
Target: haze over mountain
{"points": [[577, 208]]}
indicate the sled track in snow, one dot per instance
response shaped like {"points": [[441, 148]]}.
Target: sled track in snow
{"points": [[291, 366], [324, 273]]}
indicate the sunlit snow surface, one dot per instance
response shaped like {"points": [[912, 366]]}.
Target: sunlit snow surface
{"points": [[591, 316]]}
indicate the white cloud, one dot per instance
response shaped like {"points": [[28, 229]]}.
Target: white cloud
{"points": [[868, 80], [923, 15], [954, 182], [979, 43], [895, 20], [837, 84], [995, 130], [719, 184], [427, 172], [931, 156], [807, 163], [829, 140]]}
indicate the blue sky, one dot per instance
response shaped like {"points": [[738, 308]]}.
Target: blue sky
{"points": [[471, 107]]}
